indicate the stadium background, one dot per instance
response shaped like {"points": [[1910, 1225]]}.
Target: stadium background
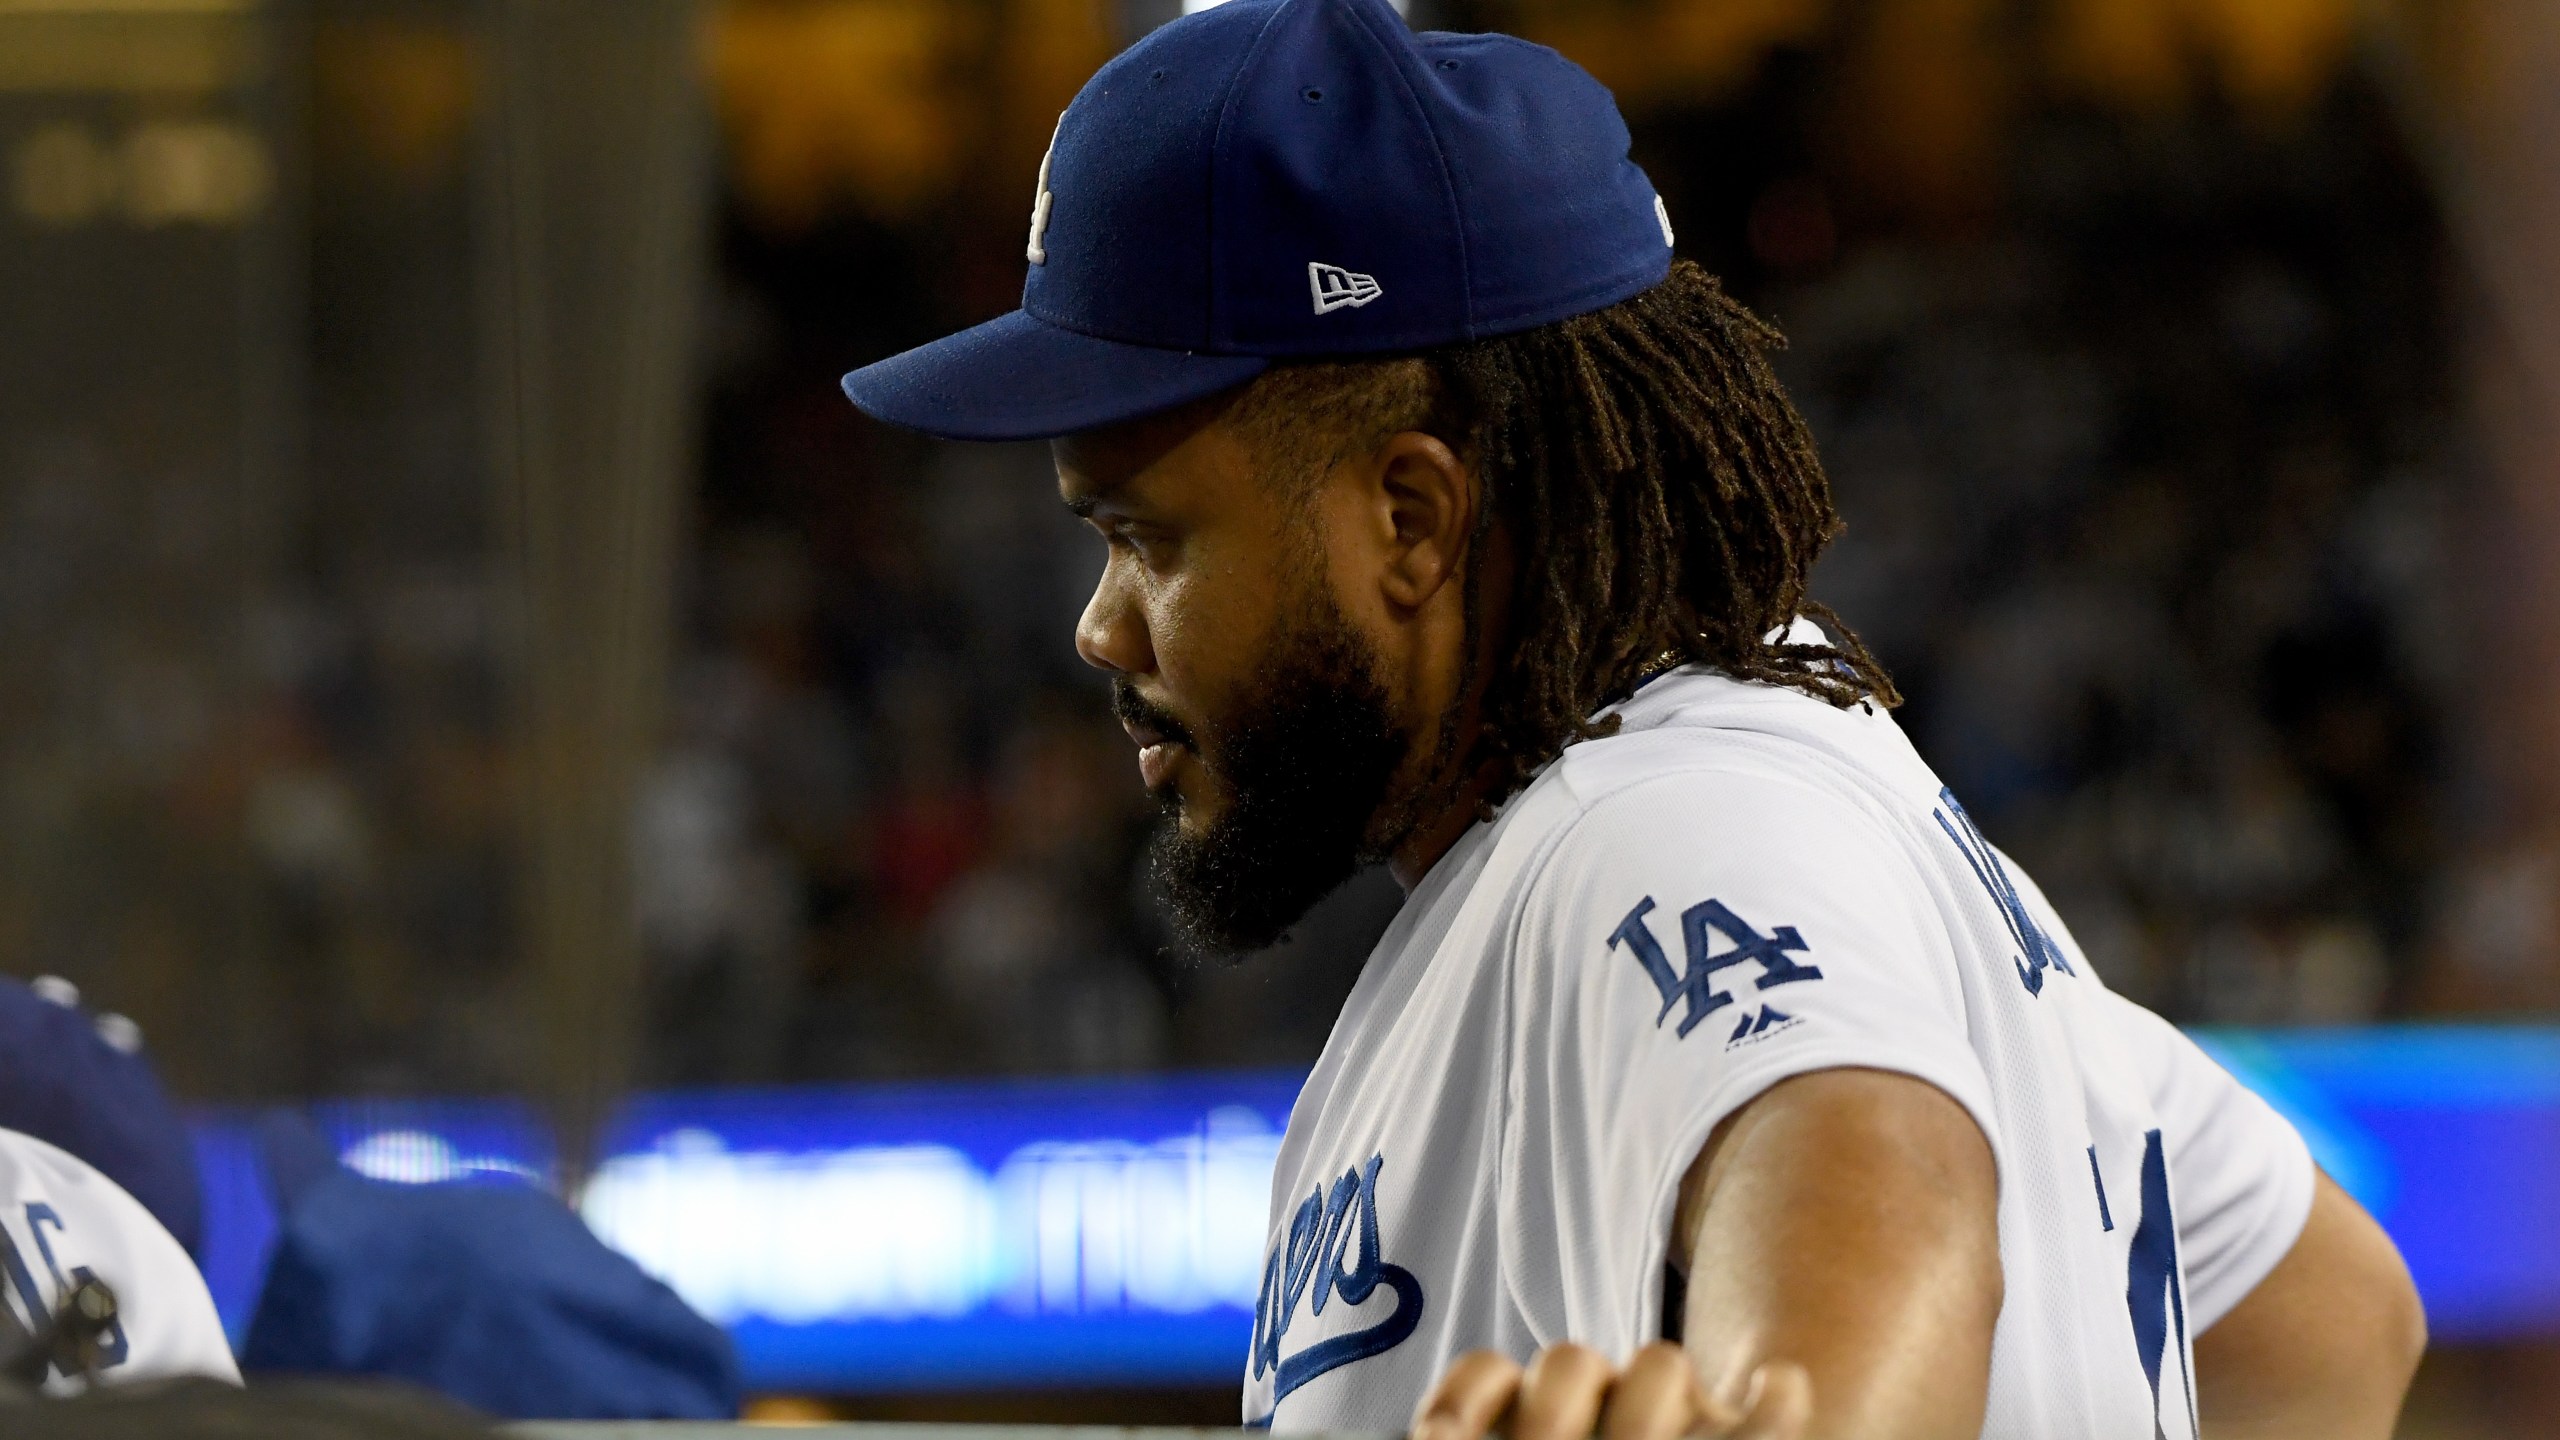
{"points": [[461, 659]]}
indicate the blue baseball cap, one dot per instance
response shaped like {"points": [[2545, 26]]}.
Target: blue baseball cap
{"points": [[498, 1295], [1281, 179], [83, 1085]]}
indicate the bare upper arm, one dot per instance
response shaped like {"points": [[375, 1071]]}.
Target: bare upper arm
{"points": [[2323, 1347], [1846, 1220]]}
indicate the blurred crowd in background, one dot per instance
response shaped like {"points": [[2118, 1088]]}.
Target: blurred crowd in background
{"points": [[2146, 497], [2133, 346], [2144, 473]]}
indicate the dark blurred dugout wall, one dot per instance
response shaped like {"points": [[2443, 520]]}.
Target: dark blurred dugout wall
{"points": [[343, 411], [151, 441]]}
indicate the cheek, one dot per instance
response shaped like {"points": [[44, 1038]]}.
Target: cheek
{"points": [[1210, 626]]}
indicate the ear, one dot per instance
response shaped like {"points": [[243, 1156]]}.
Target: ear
{"points": [[1426, 503]]}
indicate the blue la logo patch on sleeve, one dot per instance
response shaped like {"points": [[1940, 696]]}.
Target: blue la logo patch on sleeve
{"points": [[1699, 925]]}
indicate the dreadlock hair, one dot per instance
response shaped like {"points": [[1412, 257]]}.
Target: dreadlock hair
{"points": [[1661, 493]]}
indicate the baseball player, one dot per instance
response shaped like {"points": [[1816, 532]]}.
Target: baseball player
{"points": [[1717, 1077]]}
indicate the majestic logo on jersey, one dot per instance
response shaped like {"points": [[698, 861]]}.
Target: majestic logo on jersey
{"points": [[1332, 1253], [1335, 288], [2036, 951], [1699, 924], [1758, 1024]]}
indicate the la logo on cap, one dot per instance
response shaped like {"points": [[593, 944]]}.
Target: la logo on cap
{"points": [[1336, 288], [1037, 249]]}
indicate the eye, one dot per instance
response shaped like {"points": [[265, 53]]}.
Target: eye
{"points": [[1119, 537], [1152, 547]]}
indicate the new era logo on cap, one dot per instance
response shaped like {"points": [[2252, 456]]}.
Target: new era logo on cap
{"points": [[1335, 288]]}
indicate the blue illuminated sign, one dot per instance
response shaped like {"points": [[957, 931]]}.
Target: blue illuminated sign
{"points": [[2450, 1135], [1069, 1232], [900, 1237], [1109, 1232]]}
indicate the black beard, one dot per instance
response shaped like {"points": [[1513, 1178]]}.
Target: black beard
{"points": [[1306, 765]]}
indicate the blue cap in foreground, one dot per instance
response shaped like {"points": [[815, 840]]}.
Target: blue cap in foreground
{"points": [[64, 1082], [1276, 179], [496, 1295]]}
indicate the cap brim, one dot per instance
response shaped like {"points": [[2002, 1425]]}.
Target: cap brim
{"points": [[1020, 378]]}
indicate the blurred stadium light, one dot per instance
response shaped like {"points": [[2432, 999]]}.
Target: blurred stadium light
{"points": [[1098, 1232]]}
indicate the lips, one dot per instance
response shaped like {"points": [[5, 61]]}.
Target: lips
{"points": [[1156, 754]]}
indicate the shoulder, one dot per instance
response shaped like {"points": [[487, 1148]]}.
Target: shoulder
{"points": [[1740, 850], [1664, 799]]}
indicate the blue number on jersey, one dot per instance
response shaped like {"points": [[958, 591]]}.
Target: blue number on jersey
{"points": [[2153, 1292], [2036, 950], [112, 1347]]}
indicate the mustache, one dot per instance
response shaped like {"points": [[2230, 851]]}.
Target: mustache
{"points": [[1135, 709]]}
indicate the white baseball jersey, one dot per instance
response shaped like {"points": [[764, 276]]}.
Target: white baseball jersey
{"points": [[1743, 885], [61, 1222]]}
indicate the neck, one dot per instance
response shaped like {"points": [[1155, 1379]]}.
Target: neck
{"points": [[1433, 834], [1447, 808], [1440, 825]]}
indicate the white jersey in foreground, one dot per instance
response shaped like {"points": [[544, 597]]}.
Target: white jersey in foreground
{"points": [[60, 1222], [1743, 885]]}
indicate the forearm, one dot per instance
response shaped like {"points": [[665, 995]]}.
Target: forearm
{"points": [[2324, 1347], [1889, 1307]]}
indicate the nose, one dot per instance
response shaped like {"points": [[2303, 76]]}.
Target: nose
{"points": [[1112, 632]]}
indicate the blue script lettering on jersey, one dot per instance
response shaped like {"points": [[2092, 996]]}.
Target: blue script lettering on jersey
{"points": [[1333, 1248], [2036, 951], [1696, 984]]}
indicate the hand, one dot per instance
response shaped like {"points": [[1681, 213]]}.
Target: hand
{"points": [[1572, 1392]]}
